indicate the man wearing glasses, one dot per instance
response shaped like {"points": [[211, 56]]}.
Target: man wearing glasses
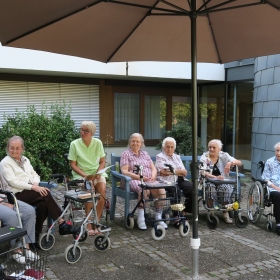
{"points": [[87, 157]]}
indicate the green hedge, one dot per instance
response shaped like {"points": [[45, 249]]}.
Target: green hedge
{"points": [[47, 135]]}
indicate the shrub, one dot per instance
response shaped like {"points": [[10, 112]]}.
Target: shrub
{"points": [[182, 133], [47, 136]]}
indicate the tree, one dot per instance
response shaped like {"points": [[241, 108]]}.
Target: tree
{"points": [[182, 133], [47, 136]]}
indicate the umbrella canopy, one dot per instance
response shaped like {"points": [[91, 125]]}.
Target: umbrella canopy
{"points": [[147, 30], [143, 30]]}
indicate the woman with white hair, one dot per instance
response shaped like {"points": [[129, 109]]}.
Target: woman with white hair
{"points": [[219, 164], [167, 156], [136, 156]]}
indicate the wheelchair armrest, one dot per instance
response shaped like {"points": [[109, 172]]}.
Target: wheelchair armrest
{"points": [[232, 173], [59, 177], [48, 185]]}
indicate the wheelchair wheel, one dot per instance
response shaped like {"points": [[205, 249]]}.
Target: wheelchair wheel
{"points": [[255, 202], [269, 226], [44, 243], [242, 224], [99, 245], [83, 237], [212, 221], [129, 222], [69, 254], [158, 232], [184, 230]]}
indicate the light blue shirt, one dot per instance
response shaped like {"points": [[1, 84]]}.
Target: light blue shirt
{"points": [[271, 172]]}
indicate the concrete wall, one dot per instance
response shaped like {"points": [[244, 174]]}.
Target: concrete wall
{"points": [[266, 113]]}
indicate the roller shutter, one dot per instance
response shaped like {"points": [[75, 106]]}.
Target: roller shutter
{"points": [[84, 99]]}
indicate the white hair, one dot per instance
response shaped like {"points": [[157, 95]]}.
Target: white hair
{"points": [[276, 145], [136, 135], [216, 141], [168, 139]]}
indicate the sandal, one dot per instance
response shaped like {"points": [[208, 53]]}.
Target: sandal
{"points": [[93, 232]]}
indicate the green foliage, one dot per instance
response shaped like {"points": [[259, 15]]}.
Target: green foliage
{"points": [[182, 133], [47, 136]]}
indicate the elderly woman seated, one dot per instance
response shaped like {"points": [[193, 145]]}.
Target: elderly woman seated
{"points": [[24, 183], [167, 156], [136, 156], [9, 218], [219, 164]]}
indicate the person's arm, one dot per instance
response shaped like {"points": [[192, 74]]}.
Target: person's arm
{"points": [[232, 163], [76, 169], [125, 172], [267, 175], [102, 163]]}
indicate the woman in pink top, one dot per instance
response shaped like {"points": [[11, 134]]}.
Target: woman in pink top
{"points": [[135, 156]]}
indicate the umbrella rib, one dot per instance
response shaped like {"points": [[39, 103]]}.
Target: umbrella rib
{"points": [[142, 6], [121, 44], [174, 6], [51, 22], [214, 39], [213, 8]]}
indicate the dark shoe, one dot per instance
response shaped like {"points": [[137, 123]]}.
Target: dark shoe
{"points": [[65, 228], [35, 246], [278, 230]]}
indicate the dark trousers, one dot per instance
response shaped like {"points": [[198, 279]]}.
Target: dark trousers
{"points": [[275, 198], [186, 187], [45, 205]]}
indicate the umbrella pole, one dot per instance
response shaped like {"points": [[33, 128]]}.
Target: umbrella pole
{"points": [[195, 241]]}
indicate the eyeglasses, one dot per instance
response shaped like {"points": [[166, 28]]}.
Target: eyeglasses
{"points": [[85, 131], [15, 149]]}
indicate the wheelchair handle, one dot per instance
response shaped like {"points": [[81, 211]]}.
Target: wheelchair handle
{"points": [[75, 182], [171, 168]]}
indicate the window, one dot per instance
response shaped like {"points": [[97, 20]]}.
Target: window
{"points": [[181, 109], [128, 111], [126, 115]]}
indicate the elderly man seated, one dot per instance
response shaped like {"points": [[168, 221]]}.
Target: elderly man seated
{"points": [[167, 156], [271, 173]]}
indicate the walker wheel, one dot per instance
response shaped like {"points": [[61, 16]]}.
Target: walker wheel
{"points": [[69, 254], [158, 232], [44, 243], [83, 237], [269, 226], [212, 221], [184, 229], [129, 222], [242, 224], [99, 244]]}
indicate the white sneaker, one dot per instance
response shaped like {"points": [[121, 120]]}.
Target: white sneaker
{"points": [[19, 258], [31, 256], [141, 224], [162, 223]]}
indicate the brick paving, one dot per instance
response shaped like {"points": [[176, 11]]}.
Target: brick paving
{"points": [[227, 252]]}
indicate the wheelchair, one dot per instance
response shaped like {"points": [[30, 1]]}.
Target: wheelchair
{"points": [[215, 202], [259, 203]]}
